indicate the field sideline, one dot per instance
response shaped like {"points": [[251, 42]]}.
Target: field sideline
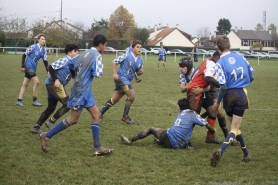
{"points": [[70, 158]]}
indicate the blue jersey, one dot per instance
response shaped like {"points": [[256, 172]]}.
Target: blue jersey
{"points": [[62, 71], [86, 66], [180, 133], [129, 64], [162, 51], [234, 71], [34, 53], [185, 78]]}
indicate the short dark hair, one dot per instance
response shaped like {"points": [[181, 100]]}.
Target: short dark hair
{"points": [[135, 42], [70, 47], [183, 104], [99, 39], [41, 35], [216, 54]]}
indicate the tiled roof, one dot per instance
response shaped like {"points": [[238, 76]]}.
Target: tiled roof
{"points": [[253, 35]]}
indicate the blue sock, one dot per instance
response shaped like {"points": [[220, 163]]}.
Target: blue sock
{"points": [[227, 141], [96, 135], [57, 128], [242, 144]]}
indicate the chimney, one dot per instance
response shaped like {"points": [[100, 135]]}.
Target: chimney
{"points": [[155, 28], [159, 26], [215, 35], [148, 27], [236, 29], [241, 28], [269, 31], [177, 26], [44, 21], [65, 22], [209, 36]]}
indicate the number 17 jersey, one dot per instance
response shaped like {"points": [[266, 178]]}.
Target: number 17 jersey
{"points": [[233, 70]]}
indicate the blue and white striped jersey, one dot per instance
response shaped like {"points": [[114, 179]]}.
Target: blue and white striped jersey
{"points": [[86, 66], [62, 71], [233, 70], [162, 51], [34, 53], [129, 64], [180, 133]]}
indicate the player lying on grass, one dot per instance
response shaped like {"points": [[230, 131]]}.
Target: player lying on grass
{"points": [[179, 134]]}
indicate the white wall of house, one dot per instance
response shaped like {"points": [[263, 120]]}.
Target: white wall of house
{"points": [[175, 38], [235, 41]]}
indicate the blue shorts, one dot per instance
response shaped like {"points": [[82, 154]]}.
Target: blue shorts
{"points": [[79, 102], [161, 58], [235, 99]]}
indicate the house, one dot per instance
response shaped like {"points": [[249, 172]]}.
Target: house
{"points": [[243, 39], [169, 37], [211, 40], [62, 24]]}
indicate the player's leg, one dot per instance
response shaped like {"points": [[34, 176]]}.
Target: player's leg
{"points": [[130, 93], [117, 95], [25, 84], [95, 126], [164, 65], [207, 103], [52, 103], [158, 62], [62, 96], [143, 134], [62, 125], [36, 81]]}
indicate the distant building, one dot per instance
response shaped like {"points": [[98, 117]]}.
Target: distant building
{"points": [[243, 39], [169, 37]]}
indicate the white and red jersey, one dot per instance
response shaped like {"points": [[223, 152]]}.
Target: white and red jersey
{"points": [[207, 68]]}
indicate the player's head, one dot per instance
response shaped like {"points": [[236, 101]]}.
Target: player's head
{"points": [[215, 56], [100, 42], [185, 64], [41, 39], [136, 47], [195, 46], [223, 44], [183, 104], [71, 50]]}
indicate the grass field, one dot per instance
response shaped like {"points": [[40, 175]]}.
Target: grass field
{"points": [[70, 158]]}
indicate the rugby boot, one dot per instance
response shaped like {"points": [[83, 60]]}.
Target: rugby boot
{"points": [[36, 103], [215, 158], [102, 151], [126, 140], [127, 120], [35, 130]]}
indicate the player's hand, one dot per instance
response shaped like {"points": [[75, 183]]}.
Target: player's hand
{"points": [[22, 69], [215, 107], [197, 90], [57, 83], [115, 76]]}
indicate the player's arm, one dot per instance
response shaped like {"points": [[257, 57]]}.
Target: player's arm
{"points": [[183, 87], [53, 76], [114, 71], [198, 120], [140, 71], [45, 60], [23, 62], [212, 81]]}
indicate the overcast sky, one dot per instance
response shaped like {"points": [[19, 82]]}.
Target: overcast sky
{"points": [[189, 14]]}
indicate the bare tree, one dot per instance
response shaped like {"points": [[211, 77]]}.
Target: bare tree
{"points": [[203, 31]]}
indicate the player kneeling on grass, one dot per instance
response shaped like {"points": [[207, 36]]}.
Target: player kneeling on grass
{"points": [[178, 136], [128, 66], [87, 66], [60, 75]]}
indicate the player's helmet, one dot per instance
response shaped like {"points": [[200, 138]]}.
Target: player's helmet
{"points": [[186, 62]]}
